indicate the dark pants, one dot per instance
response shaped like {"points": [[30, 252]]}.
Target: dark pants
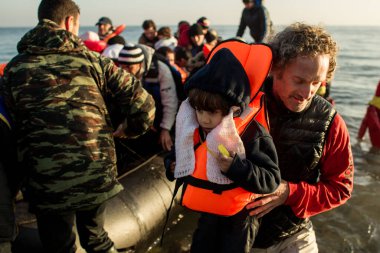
{"points": [[58, 235], [218, 234]]}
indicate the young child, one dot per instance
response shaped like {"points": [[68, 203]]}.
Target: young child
{"points": [[219, 186]]}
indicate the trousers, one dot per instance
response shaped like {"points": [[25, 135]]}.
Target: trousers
{"points": [[302, 242], [57, 231]]}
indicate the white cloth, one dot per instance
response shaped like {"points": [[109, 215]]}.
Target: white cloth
{"points": [[90, 35], [113, 51], [166, 42], [225, 133], [168, 93]]}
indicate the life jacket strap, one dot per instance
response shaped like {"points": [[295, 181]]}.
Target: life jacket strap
{"points": [[215, 188], [178, 184]]}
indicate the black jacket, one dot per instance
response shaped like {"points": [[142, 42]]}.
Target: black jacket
{"points": [[258, 21]]}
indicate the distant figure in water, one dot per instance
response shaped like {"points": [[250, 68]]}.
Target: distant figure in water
{"points": [[256, 17], [324, 91], [371, 121]]}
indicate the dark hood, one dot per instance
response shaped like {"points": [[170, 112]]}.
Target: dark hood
{"points": [[47, 37], [225, 75]]}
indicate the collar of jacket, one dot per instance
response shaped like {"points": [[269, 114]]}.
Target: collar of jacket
{"points": [[47, 37]]}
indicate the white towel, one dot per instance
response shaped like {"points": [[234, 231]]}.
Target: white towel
{"points": [[225, 133]]}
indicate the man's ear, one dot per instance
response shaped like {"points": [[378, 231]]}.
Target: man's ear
{"points": [[69, 23]]}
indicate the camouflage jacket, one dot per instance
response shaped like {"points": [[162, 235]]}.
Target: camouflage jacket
{"points": [[57, 92]]}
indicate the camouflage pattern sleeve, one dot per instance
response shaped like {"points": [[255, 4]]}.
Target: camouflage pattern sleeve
{"points": [[134, 102]]}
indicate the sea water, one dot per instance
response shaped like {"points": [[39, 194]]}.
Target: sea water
{"points": [[355, 226]]}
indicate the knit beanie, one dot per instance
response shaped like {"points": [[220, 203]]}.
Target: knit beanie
{"points": [[131, 54], [225, 75]]}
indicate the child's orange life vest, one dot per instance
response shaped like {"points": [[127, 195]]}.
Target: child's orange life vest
{"points": [[198, 193]]}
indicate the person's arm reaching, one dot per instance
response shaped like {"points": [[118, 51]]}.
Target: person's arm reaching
{"points": [[336, 180], [134, 101], [333, 189], [169, 103], [242, 26]]}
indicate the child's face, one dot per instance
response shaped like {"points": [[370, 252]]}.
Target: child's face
{"points": [[170, 57], [209, 120]]}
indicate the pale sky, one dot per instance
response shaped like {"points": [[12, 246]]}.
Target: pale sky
{"points": [[219, 12]]}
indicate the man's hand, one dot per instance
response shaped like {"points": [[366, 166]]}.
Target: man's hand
{"points": [[119, 133], [166, 140], [267, 203]]}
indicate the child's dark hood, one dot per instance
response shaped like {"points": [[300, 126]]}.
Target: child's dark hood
{"points": [[225, 75]]}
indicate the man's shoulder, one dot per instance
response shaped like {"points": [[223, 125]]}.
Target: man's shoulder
{"points": [[338, 122]]}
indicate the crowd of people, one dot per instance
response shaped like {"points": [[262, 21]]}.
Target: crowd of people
{"points": [[67, 98]]}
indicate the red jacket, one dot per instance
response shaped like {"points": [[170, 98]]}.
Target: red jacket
{"points": [[372, 122], [336, 180]]}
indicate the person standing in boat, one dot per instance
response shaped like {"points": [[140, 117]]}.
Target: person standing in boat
{"points": [[311, 139], [371, 121], [256, 17], [157, 79], [55, 90]]}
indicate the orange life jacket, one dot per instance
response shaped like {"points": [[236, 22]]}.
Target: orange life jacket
{"points": [[2, 67], [119, 29], [100, 45], [198, 193]]}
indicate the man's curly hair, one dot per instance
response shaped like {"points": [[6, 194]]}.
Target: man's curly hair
{"points": [[300, 39]]}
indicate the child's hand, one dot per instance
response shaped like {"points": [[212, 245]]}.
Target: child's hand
{"points": [[119, 133], [225, 162], [172, 167], [166, 140]]}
